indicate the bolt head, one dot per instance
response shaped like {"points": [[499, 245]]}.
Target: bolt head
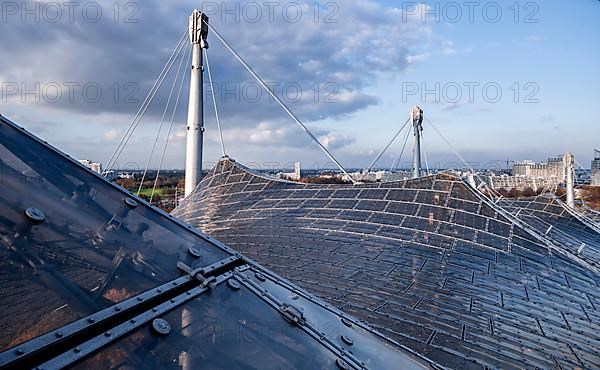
{"points": [[35, 215], [346, 322], [234, 284], [131, 202], [194, 252], [343, 365], [161, 326]]}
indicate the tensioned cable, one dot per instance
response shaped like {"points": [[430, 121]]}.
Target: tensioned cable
{"points": [[387, 147], [162, 157], [144, 106], [461, 157], [399, 158], [280, 102], [547, 241], [214, 99], [424, 152], [450, 146], [488, 187], [576, 181], [162, 120], [154, 86], [545, 189], [134, 127], [577, 163]]}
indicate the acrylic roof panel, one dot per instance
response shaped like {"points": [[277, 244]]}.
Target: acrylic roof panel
{"points": [[91, 249], [88, 268], [550, 217], [591, 214], [427, 262], [231, 329]]}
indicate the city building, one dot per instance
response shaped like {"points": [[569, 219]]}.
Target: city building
{"points": [[523, 168], [294, 176], [528, 174], [518, 182], [94, 166], [554, 168], [595, 177], [126, 175]]}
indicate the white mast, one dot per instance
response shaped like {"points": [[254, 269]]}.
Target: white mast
{"points": [[570, 167], [195, 121], [416, 115]]}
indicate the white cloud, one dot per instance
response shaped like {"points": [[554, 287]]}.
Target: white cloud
{"points": [[180, 134], [367, 40], [283, 134], [113, 134], [417, 58], [336, 140], [348, 47], [448, 48]]}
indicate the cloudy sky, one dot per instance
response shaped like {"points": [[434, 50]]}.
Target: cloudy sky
{"points": [[500, 80]]}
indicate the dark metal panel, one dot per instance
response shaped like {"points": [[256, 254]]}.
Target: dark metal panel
{"points": [[96, 244], [253, 322], [550, 217]]}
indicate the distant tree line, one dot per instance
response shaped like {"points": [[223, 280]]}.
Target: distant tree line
{"points": [[527, 192], [322, 180], [168, 188], [591, 196]]}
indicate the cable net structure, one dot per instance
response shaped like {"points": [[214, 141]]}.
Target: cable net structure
{"points": [[431, 263], [551, 217], [591, 214]]}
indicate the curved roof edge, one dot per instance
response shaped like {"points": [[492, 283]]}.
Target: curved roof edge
{"points": [[548, 242]]}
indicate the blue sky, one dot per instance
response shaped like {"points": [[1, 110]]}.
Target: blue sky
{"points": [[371, 54], [559, 54]]}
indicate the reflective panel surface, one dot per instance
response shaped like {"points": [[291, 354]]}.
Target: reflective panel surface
{"points": [[552, 218], [428, 262], [89, 250], [86, 268], [236, 328], [591, 214]]}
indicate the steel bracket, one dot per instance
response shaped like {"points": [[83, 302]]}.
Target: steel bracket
{"points": [[69, 343], [292, 314]]}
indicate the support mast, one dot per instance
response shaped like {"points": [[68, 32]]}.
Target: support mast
{"points": [[569, 161], [198, 31], [416, 116]]}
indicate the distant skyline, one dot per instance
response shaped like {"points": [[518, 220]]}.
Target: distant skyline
{"points": [[516, 80]]}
